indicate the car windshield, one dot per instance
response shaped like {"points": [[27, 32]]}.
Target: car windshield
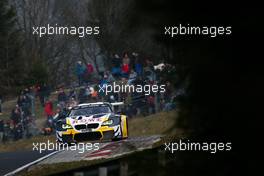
{"points": [[90, 110]]}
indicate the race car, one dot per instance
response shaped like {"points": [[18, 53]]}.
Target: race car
{"points": [[91, 122]]}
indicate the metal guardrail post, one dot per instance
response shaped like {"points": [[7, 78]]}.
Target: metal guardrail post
{"points": [[102, 171], [123, 169]]}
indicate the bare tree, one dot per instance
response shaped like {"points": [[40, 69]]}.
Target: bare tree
{"points": [[122, 28], [55, 51]]}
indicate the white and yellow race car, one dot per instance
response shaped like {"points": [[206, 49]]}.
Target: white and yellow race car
{"points": [[90, 122]]}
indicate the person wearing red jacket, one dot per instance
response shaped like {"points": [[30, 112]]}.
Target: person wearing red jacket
{"points": [[88, 73], [48, 109], [125, 70], [89, 68]]}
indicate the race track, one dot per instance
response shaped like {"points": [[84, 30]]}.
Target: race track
{"points": [[10, 161], [73, 159]]}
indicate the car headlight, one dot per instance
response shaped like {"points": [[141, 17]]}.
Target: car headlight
{"points": [[107, 123], [66, 126]]}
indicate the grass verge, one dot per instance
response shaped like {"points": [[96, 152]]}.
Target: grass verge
{"points": [[160, 123]]}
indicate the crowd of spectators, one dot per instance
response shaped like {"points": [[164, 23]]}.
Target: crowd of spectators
{"points": [[128, 69], [21, 123]]}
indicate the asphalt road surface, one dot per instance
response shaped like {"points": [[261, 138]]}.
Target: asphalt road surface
{"points": [[10, 161]]}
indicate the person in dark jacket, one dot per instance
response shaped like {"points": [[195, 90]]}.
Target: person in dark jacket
{"points": [[82, 96], [1, 130], [116, 65], [1, 101], [72, 93], [80, 70], [62, 97], [138, 67], [16, 115]]}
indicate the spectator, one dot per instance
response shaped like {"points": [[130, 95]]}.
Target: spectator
{"points": [[89, 73], [134, 58], [48, 109], [149, 64], [126, 59], [104, 81], [82, 96], [62, 97], [125, 70], [151, 104], [61, 113], [111, 99], [20, 100], [43, 93], [72, 93], [1, 99], [25, 91], [94, 94], [26, 105], [80, 70], [16, 115], [89, 68], [103, 84], [18, 131], [138, 67], [46, 91], [32, 96], [110, 77], [87, 92], [116, 62], [125, 66], [133, 75], [49, 113], [1, 130], [7, 130], [72, 103], [100, 59]]}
